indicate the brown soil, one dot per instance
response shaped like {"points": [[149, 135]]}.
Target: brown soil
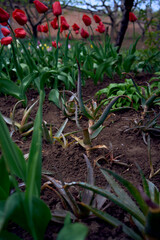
{"points": [[69, 163]]}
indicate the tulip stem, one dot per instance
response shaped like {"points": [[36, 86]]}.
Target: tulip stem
{"points": [[133, 31], [92, 32], [13, 34], [29, 30], [57, 40], [48, 27]]}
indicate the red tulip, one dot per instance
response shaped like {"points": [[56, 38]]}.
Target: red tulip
{"points": [[75, 27], [20, 33], [132, 17], [4, 24], [40, 28], [45, 28], [54, 44], [41, 8], [4, 16], [100, 28], [77, 31], [20, 16], [87, 20], [5, 31], [54, 23], [64, 24], [97, 19], [6, 40], [57, 10], [84, 33]]}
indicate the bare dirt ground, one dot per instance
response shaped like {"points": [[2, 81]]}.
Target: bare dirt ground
{"points": [[69, 163]]}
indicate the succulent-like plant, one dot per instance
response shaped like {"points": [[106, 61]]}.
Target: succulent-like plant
{"points": [[144, 208]]}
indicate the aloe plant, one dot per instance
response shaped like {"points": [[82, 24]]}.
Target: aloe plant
{"points": [[143, 205], [70, 204]]}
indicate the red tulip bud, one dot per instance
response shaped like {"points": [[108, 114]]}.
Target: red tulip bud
{"points": [[100, 28], [132, 17], [84, 33], [97, 19], [5, 31], [75, 27], [41, 8], [54, 23], [57, 10], [4, 16], [87, 20], [6, 40], [20, 16], [20, 33]]}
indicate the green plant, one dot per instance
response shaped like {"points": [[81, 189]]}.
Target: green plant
{"points": [[144, 210], [147, 60], [71, 203], [24, 208], [144, 96], [75, 106], [117, 89], [76, 231], [149, 96]]}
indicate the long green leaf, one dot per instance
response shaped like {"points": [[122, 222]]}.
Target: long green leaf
{"points": [[122, 195], [9, 87], [104, 114], [60, 130], [17, 210], [13, 156], [132, 189], [126, 206], [79, 93], [4, 180], [4, 235], [35, 156], [113, 221]]}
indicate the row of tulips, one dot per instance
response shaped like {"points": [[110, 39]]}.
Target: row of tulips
{"points": [[20, 17]]}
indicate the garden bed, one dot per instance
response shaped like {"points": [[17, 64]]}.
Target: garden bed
{"points": [[69, 163]]}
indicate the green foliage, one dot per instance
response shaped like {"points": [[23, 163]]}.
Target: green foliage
{"points": [[147, 60], [24, 208], [145, 96], [117, 89], [76, 231], [144, 210]]}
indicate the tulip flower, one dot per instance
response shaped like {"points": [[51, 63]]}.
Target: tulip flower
{"points": [[6, 40], [56, 7], [20, 16], [45, 28], [77, 31], [97, 19], [41, 8], [54, 44], [100, 28], [4, 16], [75, 27], [132, 17], [87, 20], [84, 33], [4, 24], [20, 33], [64, 24], [40, 28], [5, 31], [54, 23]]}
